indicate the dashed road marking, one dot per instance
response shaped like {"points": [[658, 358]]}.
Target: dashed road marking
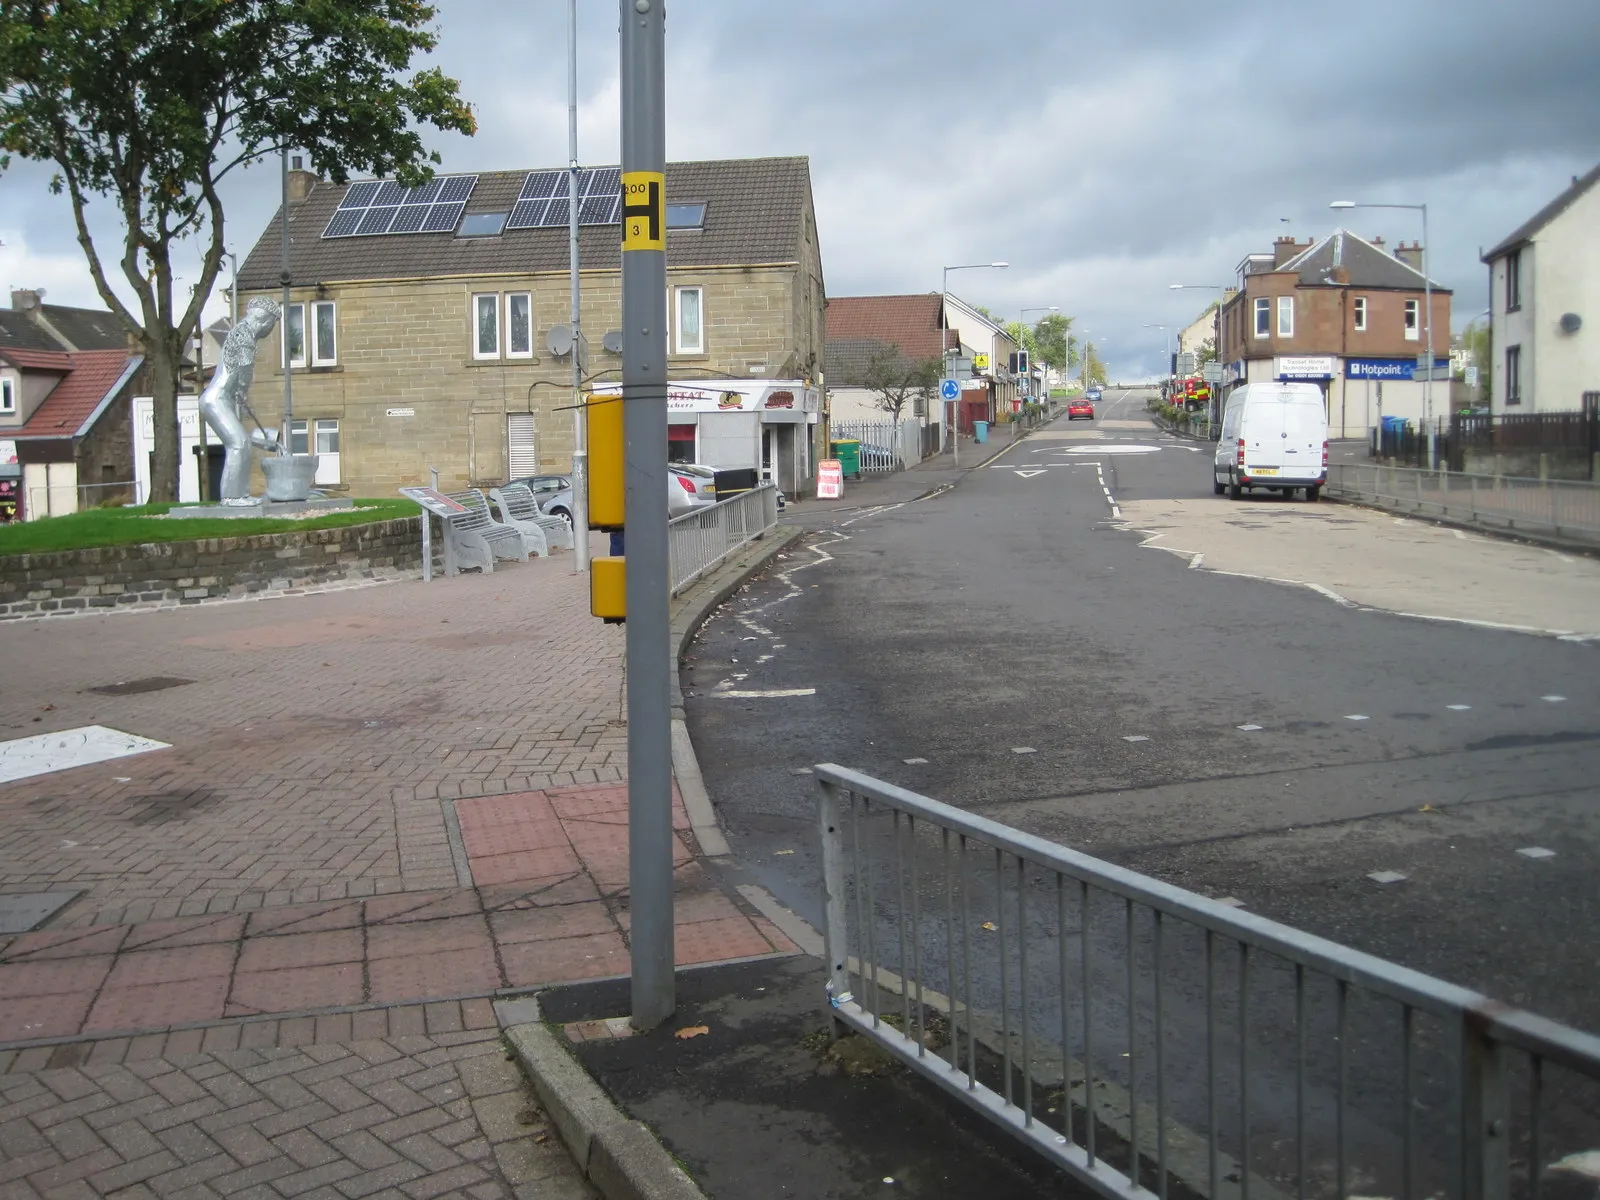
{"points": [[1023, 750], [1356, 717], [1386, 877], [1230, 901], [913, 762], [800, 771], [1553, 699], [1248, 728], [1536, 852], [1459, 707], [761, 693], [1136, 737]]}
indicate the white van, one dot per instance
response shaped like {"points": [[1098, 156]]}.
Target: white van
{"points": [[1274, 436]]}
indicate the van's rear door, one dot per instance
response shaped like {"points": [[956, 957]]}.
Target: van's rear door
{"points": [[1262, 432], [1305, 428]]}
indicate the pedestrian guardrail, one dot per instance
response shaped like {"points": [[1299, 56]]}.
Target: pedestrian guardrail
{"points": [[698, 542], [1560, 508], [1146, 1038]]}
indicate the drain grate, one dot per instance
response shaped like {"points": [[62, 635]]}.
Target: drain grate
{"points": [[22, 911], [134, 687]]}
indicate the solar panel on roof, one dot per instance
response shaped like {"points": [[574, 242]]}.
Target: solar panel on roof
{"points": [[600, 199], [378, 206], [442, 218]]}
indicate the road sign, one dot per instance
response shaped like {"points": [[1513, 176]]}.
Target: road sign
{"points": [[980, 362], [1186, 364], [1211, 372], [1472, 376], [960, 367], [950, 389]]}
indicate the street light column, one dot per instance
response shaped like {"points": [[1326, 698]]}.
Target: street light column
{"points": [[944, 350]]}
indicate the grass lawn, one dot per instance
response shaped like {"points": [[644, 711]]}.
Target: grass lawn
{"points": [[133, 526]]}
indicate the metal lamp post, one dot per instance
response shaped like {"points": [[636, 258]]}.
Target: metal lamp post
{"points": [[1022, 319], [1427, 315], [944, 349], [1174, 366]]}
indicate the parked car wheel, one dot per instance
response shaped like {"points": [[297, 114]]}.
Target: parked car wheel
{"points": [[1217, 488], [1235, 492], [1312, 493], [556, 511]]}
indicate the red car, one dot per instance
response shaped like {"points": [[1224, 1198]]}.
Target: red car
{"points": [[1080, 408]]}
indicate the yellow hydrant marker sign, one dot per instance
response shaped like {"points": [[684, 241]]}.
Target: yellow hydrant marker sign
{"points": [[644, 210]]}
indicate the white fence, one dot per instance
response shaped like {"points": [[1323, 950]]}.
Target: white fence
{"points": [[700, 541], [885, 448], [1539, 506]]}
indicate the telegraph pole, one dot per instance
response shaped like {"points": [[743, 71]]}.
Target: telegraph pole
{"points": [[644, 390]]}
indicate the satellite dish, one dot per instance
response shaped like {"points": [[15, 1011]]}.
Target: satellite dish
{"points": [[1571, 322], [559, 340], [612, 341]]}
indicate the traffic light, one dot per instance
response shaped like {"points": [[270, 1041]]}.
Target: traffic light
{"points": [[1019, 363]]}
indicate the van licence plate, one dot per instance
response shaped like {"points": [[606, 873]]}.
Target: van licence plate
{"points": [[1263, 470]]}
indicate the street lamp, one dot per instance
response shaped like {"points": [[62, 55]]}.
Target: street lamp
{"points": [[1173, 365], [1022, 316], [944, 349], [1427, 316]]}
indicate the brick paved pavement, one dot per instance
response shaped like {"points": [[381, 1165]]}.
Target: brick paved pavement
{"points": [[409, 1117], [380, 808]]}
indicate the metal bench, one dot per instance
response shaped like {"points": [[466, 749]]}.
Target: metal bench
{"points": [[520, 510], [477, 539]]}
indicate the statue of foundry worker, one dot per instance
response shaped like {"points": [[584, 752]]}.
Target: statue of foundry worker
{"points": [[225, 399]]}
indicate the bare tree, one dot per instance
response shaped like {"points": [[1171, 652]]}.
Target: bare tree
{"points": [[897, 379]]}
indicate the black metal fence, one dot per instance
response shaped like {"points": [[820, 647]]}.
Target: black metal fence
{"points": [[1464, 441]]}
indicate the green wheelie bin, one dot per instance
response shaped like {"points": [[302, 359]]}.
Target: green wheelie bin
{"points": [[848, 452]]}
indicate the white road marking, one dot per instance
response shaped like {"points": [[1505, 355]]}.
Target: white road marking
{"points": [[1248, 728], [1030, 474], [1386, 876], [1355, 717], [913, 762], [1114, 448], [1136, 737], [1023, 750], [46, 753], [1536, 852], [1459, 707], [1585, 1162], [1230, 901], [1197, 562], [1552, 699], [761, 693], [801, 771]]}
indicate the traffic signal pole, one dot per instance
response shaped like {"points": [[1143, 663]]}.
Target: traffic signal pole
{"points": [[644, 390]]}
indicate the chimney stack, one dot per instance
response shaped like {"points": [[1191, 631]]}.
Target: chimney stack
{"points": [[27, 300], [1378, 242], [1286, 248], [1410, 255], [301, 181]]}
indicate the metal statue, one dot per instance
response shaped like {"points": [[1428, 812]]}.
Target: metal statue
{"points": [[225, 400]]}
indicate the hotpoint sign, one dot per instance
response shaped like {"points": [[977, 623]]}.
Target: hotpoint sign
{"points": [[1387, 368]]}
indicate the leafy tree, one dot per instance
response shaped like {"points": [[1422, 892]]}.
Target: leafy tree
{"points": [[151, 103], [1052, 339], [1096, 372], [1208, 352], [898, 379], [1475, 340]]}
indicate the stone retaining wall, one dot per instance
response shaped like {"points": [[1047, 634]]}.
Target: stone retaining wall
{"points": [[163, 574]]}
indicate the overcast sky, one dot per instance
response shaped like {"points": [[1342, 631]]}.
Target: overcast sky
{"points": [[1105, 151]]}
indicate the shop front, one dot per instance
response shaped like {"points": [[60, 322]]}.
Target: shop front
{"points": [[732, 424]]}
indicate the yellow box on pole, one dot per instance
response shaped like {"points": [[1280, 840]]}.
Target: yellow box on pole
{"points": [[608, 588], [607, 466]]}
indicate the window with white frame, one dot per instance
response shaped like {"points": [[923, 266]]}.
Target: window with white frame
{"points": [[8, 396], [1513, 375], [690, 321], [1285, 316], [294, 335], [519, 325], [324, 334], [486, 325], [326, 432], [324, 347], [1413, 309], [1263, 316], [1361, 314]]}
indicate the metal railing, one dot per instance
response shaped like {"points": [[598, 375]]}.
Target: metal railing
{"points": [[698, 542], [885, 447], [1150, 1040], [1561, 508]]}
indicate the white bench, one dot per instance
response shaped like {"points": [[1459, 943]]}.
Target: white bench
{"points": [[520, 510]]}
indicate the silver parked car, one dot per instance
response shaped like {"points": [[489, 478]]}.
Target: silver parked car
{"points": [[689, 486]]}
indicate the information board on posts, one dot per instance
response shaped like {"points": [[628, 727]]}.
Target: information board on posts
{"points": [[830, 480], [433, 500]]}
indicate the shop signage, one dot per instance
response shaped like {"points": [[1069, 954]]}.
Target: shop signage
{"points": [[1388, 368], [830, 480], [1306, 366], [399, 412], [8, 452], [717, 396], [1234, 372]]}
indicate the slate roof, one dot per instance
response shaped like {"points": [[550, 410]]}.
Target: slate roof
{"points": [[1524, 232], [754, 215], [82, 329], [860, 327], [1368, 266], [93, 380]]}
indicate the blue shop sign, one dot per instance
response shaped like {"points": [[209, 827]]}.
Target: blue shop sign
{"points": [[1388, 368]]}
